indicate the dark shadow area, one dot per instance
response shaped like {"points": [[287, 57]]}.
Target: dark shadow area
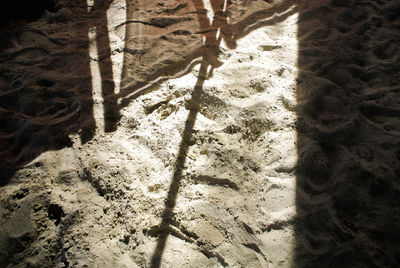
{"points": [[37, 113], [348, 134], [25, 10], [17, 12]]}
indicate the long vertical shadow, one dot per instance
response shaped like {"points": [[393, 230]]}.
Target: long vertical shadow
{"points": [[348, 199], [212, 43], [170, 202], [210, 52]]}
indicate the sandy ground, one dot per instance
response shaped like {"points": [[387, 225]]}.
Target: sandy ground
{"points": [[139, 135]]}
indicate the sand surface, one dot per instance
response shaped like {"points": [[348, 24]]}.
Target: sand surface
{"points": [[201, 134]]}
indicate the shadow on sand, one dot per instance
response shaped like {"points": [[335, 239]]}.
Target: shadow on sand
{"points": [[348, 129], [38, 114], [348, 134]]}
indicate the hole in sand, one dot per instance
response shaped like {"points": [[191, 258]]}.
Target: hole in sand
{"points": [[55, 213]]}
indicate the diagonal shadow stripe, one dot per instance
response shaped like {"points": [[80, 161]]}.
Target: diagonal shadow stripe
{"points": [[179, 164]]}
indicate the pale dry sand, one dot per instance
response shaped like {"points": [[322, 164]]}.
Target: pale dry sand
{"points": [[121, 146]]}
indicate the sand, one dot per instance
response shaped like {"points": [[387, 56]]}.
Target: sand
{"points": [[201, 134]]}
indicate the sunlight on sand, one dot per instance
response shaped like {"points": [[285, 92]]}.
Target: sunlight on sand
{"points": [[256, 81]]}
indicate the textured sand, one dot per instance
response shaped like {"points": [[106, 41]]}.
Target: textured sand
{"points": [[133, 136]]}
